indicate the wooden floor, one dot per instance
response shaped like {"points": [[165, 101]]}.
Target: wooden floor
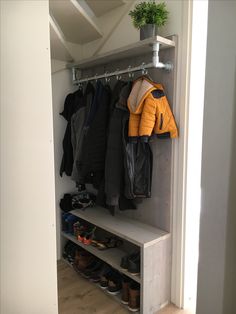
{"points": [[79, 296]]}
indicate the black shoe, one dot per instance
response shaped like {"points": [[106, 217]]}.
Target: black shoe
{"points": [[96, 275], [104, 279], [114, 283], [95, 265], [134, 265], [125, 260]]}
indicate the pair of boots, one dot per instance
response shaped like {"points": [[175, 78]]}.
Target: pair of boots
{"points": [[131, 294], [82, 260]]}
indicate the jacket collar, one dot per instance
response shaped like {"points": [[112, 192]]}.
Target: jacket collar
{"points": [[124, 94]]}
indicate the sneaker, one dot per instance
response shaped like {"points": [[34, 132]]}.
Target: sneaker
{"points": [[134, 297]]}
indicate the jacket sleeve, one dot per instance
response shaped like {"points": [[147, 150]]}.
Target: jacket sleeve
{"points": [[165, 121], [148, 118], [114, 160], [134, 120]]}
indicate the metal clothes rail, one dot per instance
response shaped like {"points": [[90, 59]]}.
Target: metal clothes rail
{"points": [[143, 67]]}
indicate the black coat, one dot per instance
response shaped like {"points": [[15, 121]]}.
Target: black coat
{"points": [[114, 170], [77, 129], [71, 105], [128, 171], [92, 163]]}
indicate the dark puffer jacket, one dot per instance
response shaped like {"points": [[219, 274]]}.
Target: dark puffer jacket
{"points": [[92, 162], [72, 104]]}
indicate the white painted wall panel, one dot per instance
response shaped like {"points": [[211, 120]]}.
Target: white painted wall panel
{"points": [[28, 236], [217, 162], [61, 86]]}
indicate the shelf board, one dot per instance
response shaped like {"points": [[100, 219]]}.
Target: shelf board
{"points": [[110, 256], [129, 51], [126, 228]]}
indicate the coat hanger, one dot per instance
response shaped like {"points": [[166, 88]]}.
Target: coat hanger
{"points": [[145, 72], [107, 78], [118, 76], [130, 73], [80, 86]]}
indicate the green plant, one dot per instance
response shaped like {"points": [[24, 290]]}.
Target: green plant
{"points": [[149, 13]]}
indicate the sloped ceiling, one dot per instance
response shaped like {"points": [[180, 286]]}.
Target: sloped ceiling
{"points": [[59, 49], [101, 7], [76, 25]]}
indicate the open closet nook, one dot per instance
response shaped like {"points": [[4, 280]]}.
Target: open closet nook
{"points": [[118, 150]]}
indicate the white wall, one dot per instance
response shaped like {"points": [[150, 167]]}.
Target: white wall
{"points": [[28, 237], [217, 227], [61, 86]]}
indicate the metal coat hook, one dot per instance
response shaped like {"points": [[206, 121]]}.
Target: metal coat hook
{"points": [[130, 73], [95, 77], [118, 77], [144, 71], [107, 79]]}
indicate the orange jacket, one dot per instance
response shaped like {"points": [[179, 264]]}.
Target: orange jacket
{"points": [[150, 111]]}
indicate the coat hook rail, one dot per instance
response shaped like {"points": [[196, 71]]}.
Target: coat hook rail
{"points": [[117, 73]]}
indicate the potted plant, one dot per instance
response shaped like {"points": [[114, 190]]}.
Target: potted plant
{"points": [[148, 16]]}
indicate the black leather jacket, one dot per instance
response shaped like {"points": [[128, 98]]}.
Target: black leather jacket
{"points": [[138, 161]]}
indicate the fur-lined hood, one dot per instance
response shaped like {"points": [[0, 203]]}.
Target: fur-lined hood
{"points": [[141, 88]]}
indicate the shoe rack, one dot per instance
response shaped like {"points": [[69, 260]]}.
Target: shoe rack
{"points": [[154, 245]]}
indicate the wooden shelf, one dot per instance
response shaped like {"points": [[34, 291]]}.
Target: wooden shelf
{"points": [[128, 229], [110, 256], [129, 51]]}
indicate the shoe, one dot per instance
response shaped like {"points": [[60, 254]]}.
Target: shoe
{"points": [[131, 263], [104, 279], [96, 275], [86, 236], [134, 297], [83, 259], [134, 265], [71, 220], [79, 228], [88, 239], [125, 290], [64, 223], [124, 262], [109, 243], [69, 252], [114, 283], [93, 267]]}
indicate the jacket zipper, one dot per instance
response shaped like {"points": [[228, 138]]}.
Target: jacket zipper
{"points": [[161, 121]]}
